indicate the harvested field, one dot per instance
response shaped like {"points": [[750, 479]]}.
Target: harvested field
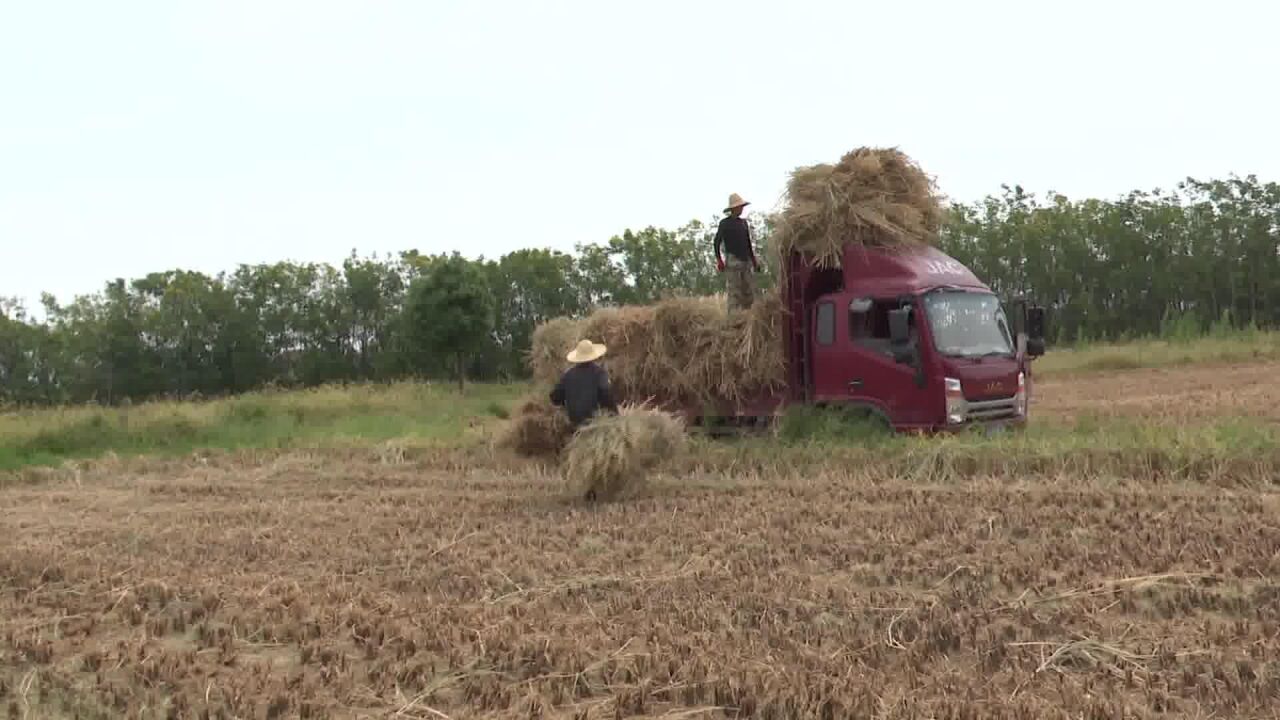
{"points": [[437, 583], [1176, 394], [311, 586]]}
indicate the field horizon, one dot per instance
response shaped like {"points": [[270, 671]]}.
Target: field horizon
{"points": [[423, 413]]}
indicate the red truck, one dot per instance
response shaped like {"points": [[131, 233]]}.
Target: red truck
{"points": [[909, 336]]}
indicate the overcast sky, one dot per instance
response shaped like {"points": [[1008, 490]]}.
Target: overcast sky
{"points": [[144, 136]]}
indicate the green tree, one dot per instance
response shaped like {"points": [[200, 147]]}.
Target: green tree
{"points": [[449, 313], [597, 279], [278, 299], [201, 337], [374, 294], [529, 287], [102, 352], [23, 360]]}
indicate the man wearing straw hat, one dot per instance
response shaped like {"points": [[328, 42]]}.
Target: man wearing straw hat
{"points": [[739, 258], [584, 388]]}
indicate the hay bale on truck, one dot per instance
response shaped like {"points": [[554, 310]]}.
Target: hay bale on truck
{"points": [[550, 343], [873, 197], [868, 314], [678, 353]]}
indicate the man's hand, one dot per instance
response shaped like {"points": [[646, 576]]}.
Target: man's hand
{"points": [[719, 264], [755, 264]]}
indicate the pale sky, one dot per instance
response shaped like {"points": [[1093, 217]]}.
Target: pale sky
{"points": [[145, 136]]}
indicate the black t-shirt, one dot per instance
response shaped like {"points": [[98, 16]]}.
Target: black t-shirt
{"points": [[582, 391], [735, 236]]}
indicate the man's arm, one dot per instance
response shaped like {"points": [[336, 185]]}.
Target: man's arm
{"points": [[557, 393], [751, 247], [719, 241]]}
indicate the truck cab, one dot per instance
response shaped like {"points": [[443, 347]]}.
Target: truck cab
{"points": [[912, 336]]}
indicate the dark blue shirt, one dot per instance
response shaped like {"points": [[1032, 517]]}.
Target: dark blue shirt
{"points": [[582, 391]]}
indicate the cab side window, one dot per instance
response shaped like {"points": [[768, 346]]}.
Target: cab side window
{"points": [[826, 322], [869, 322]]}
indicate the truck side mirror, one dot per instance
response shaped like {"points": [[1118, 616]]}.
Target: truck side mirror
{"points": [[1035, 324], [900, 336], [1035, 347], [899, 326]]}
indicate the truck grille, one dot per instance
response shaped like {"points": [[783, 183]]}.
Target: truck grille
{"points": [[980, 410]]}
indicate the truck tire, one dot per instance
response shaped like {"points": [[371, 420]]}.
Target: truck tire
{"points": [[869, 419]]}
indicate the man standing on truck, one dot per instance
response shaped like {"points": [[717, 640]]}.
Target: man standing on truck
{"points": [[739, 257], [584, 388]]}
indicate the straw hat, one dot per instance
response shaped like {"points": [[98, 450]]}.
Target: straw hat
{"points": [[586, 352], [736, 201]]}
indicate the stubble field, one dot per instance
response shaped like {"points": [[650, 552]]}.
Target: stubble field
{"points": [[751, 580]]}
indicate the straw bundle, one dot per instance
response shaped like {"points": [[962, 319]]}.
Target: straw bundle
{"points": [[538, 430], [687, 338], [628, 333], [751, 353], [610, 457], [551, 342], [876, 197]]}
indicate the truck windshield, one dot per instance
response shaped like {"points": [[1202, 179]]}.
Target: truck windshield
{"points": [[968, 324]]}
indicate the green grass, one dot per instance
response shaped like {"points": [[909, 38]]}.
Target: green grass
{"points": [[416, 413], [811, 430], [801, 425], [1220, 347], [1230, 453], [419, 414]]}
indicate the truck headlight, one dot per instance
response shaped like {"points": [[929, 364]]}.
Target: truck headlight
{"points": [[957, 408], [1020, 399]]}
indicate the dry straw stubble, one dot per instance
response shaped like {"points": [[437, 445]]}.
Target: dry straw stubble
{"points": [[793, 587]]}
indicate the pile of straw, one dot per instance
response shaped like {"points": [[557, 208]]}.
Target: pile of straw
{"points": [[610, 457], [876, 197], [538, 430], [681, 350]]}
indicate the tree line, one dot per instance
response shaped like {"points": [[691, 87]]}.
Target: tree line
{"points": [[1199, 254], [288, 324], [1151, 263]]}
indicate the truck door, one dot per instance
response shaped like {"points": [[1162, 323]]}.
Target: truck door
{"points": [[853, 362]]}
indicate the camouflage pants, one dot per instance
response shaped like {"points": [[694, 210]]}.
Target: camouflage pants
{"points": [[739, 283]]}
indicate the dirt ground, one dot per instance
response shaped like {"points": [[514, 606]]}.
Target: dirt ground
{"points": [[1176, 394], [316, 587], [373, 585]]}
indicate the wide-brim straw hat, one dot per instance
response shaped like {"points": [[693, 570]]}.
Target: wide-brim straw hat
{"points": [[586, 352], [736, 201]]}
